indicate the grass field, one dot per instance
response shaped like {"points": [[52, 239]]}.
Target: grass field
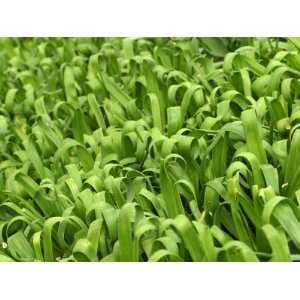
{"points": [[149, 149]]}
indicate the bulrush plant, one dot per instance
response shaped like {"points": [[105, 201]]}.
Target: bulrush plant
{"points": [[149, 149]]}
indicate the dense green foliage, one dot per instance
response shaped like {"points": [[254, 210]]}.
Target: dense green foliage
{"points": [[149, 149]]}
